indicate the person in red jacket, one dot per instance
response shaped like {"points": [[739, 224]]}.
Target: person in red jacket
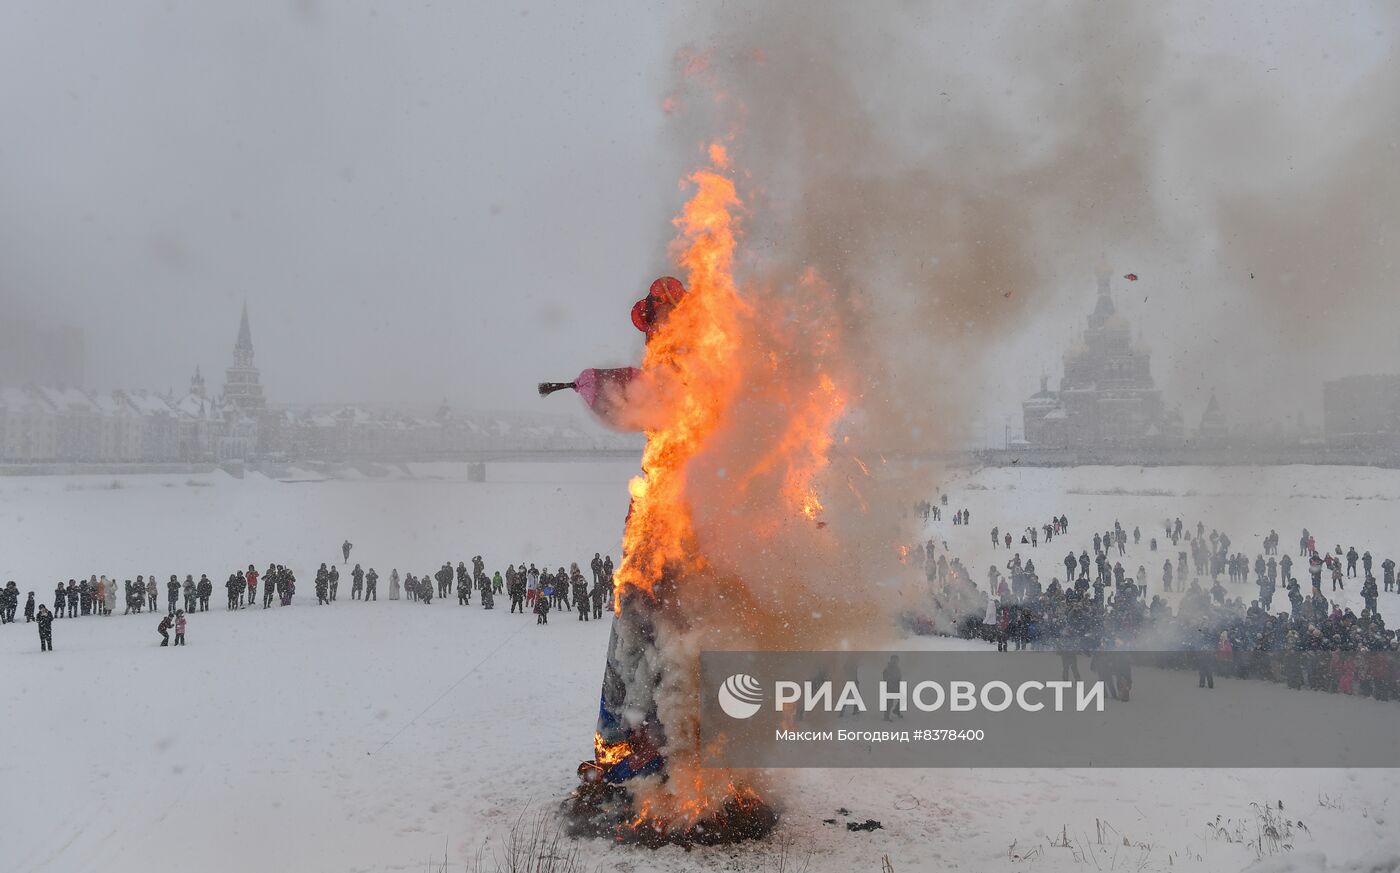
{"points": [[252, 577]]}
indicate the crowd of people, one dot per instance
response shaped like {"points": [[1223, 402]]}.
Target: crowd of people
{"points": [[528, 587], [1100, 607]]}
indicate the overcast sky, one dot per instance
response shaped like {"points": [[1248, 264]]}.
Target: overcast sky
{"points": [[458, 200], [453, 200]]}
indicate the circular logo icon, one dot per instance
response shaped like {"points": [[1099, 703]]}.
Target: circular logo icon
{"points": [[740, 696]]}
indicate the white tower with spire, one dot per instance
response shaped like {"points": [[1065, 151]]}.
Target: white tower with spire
{"points": [[242, 390]]}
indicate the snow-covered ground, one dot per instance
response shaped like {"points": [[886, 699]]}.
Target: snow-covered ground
{"points": [[389, 735]]}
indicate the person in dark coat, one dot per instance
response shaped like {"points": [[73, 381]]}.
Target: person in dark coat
{"points": [[1369, 592], [1205, 661], [580, 590], [371, 585], [345, 548], [464, 587], [1295, 597], [357, 582], [562, 586], [334, 578], [29, 608], [488, 592], [45, 620], [166, 621], [10, 601], [892, 677], [1102, 666], [596, 565], [60, 598], [598, 595], [172, 592], [191, 593], [517, 591], [541, 610], [425, 588], [323, 581], [205, 590]]}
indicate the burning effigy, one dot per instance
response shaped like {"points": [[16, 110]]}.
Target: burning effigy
{"points": [[741, 393]]}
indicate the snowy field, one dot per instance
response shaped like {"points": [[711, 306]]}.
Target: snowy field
{"points": [[389, 736]]}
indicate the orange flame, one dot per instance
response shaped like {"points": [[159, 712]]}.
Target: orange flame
{"points": [[697, 372], [608, 754], [689, 352], [737, 392]]}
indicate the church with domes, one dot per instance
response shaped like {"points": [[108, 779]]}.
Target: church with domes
{"points": [[1107, 397]]}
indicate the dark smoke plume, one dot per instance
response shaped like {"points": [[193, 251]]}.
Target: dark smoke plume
{"points": [[958, 175]]}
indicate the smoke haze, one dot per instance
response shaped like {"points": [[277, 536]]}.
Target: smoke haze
{"points": [[960, 179], [427, 203]]}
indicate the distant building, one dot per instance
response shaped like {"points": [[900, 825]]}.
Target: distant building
{"points": [[79, 423], [65, 425], [1362, 411], [60, 424], [242, 390], [1043, 417], [159, 424], [1107, 397], [28, 426], [1213, 425], [199, 422], [45, 424]]}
